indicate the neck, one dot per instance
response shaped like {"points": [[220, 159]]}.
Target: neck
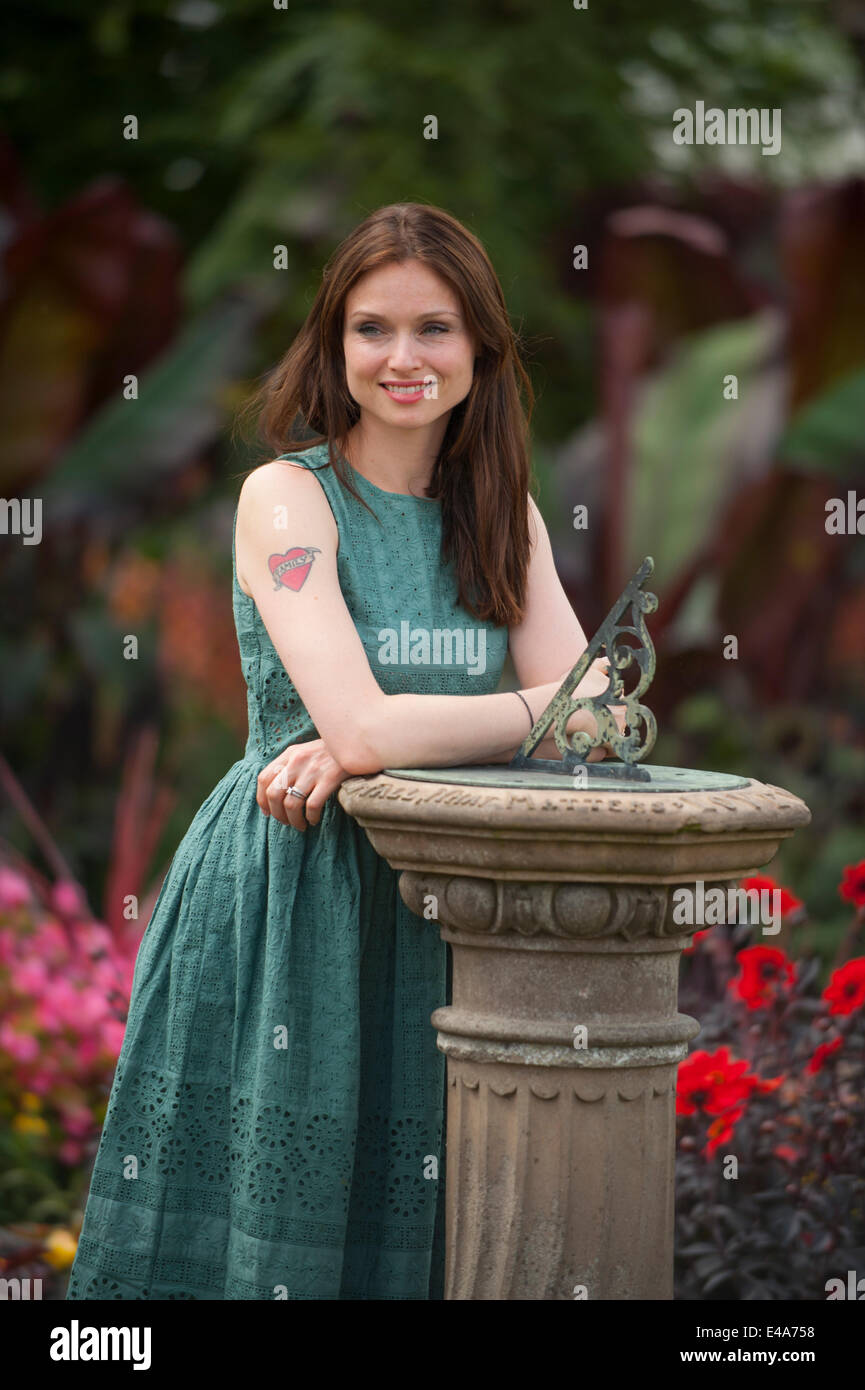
{"points": [[396, 460]]}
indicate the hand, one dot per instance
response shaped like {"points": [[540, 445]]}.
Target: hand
{"points": [[595, 683], [618, 712], [310, 768]]}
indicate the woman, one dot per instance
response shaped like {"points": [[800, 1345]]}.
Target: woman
{"points": [[275, 1126]]}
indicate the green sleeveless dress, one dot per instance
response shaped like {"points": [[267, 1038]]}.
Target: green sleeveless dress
{"points": [[276, 1124]]}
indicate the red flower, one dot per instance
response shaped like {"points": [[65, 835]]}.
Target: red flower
{"points": [[712, 1083], [770, 1083], [694, 939], [823, 1051], [720, 1131], [760, 882], [852, 886], [764, 972], [846, 989]]}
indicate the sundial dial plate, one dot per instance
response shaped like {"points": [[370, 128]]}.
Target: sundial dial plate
{"points": [[599, 777]]}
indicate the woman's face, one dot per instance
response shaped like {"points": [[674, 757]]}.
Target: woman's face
{"points": [[403, 324]]}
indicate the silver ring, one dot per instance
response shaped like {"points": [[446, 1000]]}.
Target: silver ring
{"points": [[301, 796]]}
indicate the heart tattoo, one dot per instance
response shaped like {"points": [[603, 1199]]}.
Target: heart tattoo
{"points": [[291, 568]]}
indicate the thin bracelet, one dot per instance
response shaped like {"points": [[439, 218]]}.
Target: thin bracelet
{"points": [[526, 703]]}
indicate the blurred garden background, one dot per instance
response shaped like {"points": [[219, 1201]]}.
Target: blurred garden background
{"points": [[173, 178]]}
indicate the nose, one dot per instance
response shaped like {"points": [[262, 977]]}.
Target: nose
{"points": [[404, 354]]}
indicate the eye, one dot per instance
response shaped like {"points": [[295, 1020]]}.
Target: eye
{"points": [[364, 327]]}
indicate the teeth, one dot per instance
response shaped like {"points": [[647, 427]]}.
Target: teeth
{"points": [[404, 390]]}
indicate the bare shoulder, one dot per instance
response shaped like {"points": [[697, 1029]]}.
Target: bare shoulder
{"points": [[537, 526], [281, 483], [280, 477], [286, 490]]}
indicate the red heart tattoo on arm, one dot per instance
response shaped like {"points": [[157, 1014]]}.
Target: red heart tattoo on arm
{"points": [[291, 569]]}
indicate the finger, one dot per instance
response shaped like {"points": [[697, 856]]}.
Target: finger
{"points": [[264, 779], [276, 796], [325, 785], [620, 714], [295, 811]]}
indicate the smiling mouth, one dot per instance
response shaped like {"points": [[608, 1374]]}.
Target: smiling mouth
{"points": [[405, 388]]}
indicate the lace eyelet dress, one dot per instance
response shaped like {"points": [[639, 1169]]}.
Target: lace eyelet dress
{"points": [[279, 1096]]}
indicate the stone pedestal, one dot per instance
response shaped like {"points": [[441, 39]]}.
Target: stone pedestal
{"points": [[563, 1037]]}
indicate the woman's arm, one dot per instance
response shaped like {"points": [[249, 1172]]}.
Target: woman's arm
{"points": [[291, 571], [549, 639], [549, 635]]}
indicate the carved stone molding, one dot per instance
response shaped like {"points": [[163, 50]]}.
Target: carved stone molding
{"points": [[572, 835], [573, 910], [586, 1088], [759, 804], [527, 1054]]}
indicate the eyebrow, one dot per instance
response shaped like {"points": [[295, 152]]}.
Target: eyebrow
{"points": [[430, 314]]}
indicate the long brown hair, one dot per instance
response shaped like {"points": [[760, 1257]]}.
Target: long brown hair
{"points": [[482, 474]]}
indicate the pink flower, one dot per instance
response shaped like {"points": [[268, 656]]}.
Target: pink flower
{"points": [[112, 1032], [50, 942], [8, 946], [29, 976], [94, 938], [92, 1008], [23, 1047], [14, 889], [41, 1081], [86, 1052], [77, 1121], [127, 972], [103, 974], [64, 979], [71, 1152], [67, 898], [58, 1006]]}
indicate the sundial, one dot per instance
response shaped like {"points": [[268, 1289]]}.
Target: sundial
{"points": [[572, 771]]}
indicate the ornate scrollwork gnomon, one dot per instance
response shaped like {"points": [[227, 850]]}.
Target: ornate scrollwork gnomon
{"points": [[640, 721]]}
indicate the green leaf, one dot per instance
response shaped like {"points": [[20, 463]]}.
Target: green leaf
{"points": [[688, 441], [826, 434], [132, 445]]}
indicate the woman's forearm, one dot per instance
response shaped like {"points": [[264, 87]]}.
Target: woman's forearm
{"points": [[444, 730], [450, 730], [547, 748]]}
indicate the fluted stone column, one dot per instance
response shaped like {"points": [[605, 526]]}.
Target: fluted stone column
{"points": [[563, 1037]]}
